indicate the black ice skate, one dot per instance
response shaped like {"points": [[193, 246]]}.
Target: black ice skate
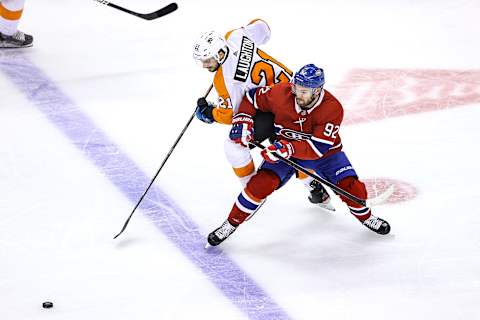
{"points": [[320, 196], [220, 234], [17, 40], [377, 225]]}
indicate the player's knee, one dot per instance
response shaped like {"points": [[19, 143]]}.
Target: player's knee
{"points": [[263, 184], [355, 187], [237, 155]]}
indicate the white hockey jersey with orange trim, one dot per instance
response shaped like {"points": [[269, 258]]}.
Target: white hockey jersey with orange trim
{"points": [[246, 67]]}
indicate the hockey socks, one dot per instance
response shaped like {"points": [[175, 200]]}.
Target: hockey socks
{"points": [[354, 186], [251, 198], [245, 173]]}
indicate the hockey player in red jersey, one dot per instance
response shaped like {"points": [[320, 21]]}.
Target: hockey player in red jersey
{"points": [[307, 120], [240, 65]]}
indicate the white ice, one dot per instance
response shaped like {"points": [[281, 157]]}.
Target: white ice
{"points": [[138, 82]]}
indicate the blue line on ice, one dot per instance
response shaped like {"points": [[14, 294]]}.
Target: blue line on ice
{"points": [[129, 178]]}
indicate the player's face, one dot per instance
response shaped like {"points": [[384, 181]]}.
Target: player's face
{"points": [[303, 95], [210, 64]]}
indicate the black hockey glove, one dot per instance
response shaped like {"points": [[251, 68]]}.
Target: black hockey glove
{"points": [[204, 111]]}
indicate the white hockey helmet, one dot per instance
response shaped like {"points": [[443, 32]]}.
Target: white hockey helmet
{"points": [[208, 45]]}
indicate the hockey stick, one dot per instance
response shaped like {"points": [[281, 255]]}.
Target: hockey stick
{"points": [[365, 203], [147, 16], [382, 197], [161, 166]]}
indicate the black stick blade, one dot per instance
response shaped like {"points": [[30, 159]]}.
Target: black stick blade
{"points": [[121, 231], [160, 13]]}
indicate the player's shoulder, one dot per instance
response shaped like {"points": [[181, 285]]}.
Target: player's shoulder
{"points": [[330, 106], [258, 23], [228, 35], [282, 87], [277, 90], [278, 94], [250, 31], [331, 100], [235, 35]]}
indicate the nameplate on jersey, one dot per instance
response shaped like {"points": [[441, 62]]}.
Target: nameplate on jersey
{"points": [[245, 59]]}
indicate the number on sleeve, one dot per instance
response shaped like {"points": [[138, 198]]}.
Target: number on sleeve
{"points": [[264, 90], [331, 130]]}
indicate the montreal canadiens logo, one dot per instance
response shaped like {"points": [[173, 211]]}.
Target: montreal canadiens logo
{"points": [[294, 135]]}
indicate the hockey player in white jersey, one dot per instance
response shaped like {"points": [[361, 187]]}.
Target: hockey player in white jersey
{"points": [[239, 65], [10, 14]]}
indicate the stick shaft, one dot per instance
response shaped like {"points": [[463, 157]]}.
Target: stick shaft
{"points": [[161, 166], [314, 176]]}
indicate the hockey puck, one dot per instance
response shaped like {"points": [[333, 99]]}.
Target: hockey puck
{"points": [[47, 305]]}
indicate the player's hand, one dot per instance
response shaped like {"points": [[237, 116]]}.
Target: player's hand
{"points": [[283, 148], [204, 111], [242, 129]]}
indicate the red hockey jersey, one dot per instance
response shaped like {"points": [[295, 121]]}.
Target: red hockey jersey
{"points": [[313, 132]]}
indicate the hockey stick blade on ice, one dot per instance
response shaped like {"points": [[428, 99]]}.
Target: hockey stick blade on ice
{"points": [[147, 16], [381, 198]]}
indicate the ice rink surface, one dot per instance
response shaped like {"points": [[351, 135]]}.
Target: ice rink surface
{"points": [[88, 114]]}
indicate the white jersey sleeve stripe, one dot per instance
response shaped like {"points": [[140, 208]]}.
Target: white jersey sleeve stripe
{"points": [[323, 141], [255, 101]]}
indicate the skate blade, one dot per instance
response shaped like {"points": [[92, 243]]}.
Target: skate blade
{"points": [[326, 206], [208, 245], [6, 46]]}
